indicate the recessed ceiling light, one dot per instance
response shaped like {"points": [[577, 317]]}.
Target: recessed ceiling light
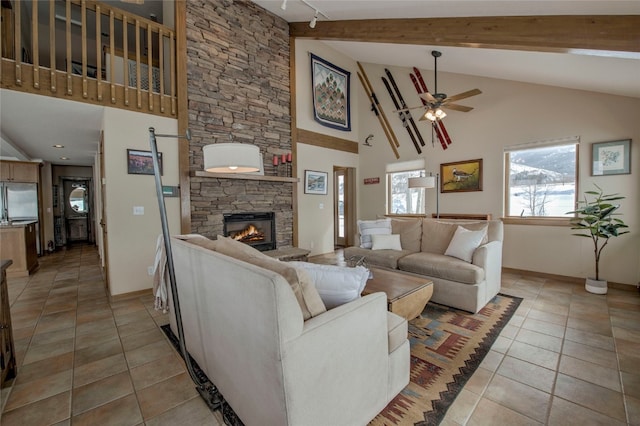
{"points": [[58, 146], [64, 158]]}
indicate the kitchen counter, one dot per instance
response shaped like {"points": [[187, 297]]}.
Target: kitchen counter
{"points": [[18, 243]]}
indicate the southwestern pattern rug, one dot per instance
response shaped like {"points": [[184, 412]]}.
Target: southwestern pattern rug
{"points": [[447, 346]]}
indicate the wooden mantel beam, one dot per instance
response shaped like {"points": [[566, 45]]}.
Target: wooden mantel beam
{"points": [[597, 34]]}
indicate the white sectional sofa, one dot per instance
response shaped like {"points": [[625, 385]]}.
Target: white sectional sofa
{"points": [[466, 285], [245, 328]]}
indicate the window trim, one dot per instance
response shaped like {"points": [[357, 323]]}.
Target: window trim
{"points": [[539, 220], [389, 199]]}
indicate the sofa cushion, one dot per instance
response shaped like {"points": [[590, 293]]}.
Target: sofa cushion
{"points": [[397, 331], [464, 243], [386, 242], [301, 283], [381, 258], [410, 231], [366, 228], [336, 285], [437, 234], [441, 266]]}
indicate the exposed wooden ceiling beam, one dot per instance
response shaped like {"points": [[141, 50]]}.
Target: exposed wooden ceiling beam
{"points": [[598, 33]]}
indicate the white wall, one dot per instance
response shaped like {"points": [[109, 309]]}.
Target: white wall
{"points": [[508, 113], [131, 239]]}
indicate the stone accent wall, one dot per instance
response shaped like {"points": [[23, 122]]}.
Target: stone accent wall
{"points": [[238, 88]]}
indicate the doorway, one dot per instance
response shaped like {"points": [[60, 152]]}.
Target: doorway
{"points": [[344, 206], [76, 205]]}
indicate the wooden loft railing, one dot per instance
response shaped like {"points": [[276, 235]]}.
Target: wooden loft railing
{"points": [[87, 51]]}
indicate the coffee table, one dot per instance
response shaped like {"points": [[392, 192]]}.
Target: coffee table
{"points": [[407, 295]]}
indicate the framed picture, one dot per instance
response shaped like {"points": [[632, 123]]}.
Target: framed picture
{"points": [[611, 158], [330, 94], [461, 176], [315, 182], [141, 162]]}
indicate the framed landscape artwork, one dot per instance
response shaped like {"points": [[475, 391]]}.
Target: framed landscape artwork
{"points": [[611, 158], [461, 176], [330, 94], [315, 182], [141, 162]]}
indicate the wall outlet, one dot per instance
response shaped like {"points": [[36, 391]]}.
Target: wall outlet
{"points": [[150, 270], [311, 245]]}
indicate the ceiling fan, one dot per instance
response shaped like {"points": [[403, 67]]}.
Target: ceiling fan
{"points": [[434, 102]]}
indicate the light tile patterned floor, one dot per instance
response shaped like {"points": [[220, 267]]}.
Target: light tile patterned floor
{"points": [[566, 357]]}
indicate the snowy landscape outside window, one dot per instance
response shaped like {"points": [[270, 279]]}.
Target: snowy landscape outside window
{"points": [[542, 181], [401, 199]]}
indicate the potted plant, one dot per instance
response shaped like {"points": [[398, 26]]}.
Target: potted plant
{"points": [[595, 218]]}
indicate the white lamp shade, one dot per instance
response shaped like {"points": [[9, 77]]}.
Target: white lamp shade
{"points": [[422, 182], [232, 158]]}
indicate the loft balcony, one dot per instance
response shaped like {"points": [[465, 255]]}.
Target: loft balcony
{"points": [[89, 51]]}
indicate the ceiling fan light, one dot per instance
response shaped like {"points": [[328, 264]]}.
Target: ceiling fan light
{"points": [[440, 114], [430, 115]]}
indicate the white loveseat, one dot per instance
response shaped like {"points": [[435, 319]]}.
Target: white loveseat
{"points": [[423, 246], [245, 329]]}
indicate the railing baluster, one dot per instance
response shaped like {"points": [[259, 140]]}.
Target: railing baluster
{"points": [[98, 52], [52, 45], [150, 66], [125, 59], [69, 64], [34, 44], [17, 37], [173, 72], [161, 66], [83, 11], [112, 52], [138, 82]]}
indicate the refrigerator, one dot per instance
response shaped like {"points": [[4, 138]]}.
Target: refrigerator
{"points": [[18, 202]]}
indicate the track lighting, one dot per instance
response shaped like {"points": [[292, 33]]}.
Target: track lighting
{"points": [[284, 5], [313, 22]]}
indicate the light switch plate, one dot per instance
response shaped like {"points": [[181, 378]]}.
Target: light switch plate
{"points": [[138, 210]]}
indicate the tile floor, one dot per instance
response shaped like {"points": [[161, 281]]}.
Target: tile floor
{"points": [[566, 357]]}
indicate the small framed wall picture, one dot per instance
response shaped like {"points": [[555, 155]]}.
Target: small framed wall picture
{"points": [[611, 158], [315, 182], [141, 162]]}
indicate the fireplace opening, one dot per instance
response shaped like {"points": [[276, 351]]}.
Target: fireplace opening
{"points": [[255, 229]]}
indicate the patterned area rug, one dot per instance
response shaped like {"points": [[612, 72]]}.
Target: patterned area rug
{"points": [[447, 346]]}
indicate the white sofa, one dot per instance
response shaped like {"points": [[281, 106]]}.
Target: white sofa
{"points": [[245, 329], [464, 285]]}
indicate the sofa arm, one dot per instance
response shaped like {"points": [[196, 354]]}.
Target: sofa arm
{"points": [[341, 356], [489, 257]]}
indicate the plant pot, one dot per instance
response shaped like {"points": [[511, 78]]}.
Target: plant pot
{"points": [[595, 286]]}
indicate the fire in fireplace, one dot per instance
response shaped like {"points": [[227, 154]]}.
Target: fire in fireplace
{"points": [[255, 229]]}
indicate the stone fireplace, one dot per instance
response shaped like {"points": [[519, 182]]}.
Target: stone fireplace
{"points": [[257, 229]]}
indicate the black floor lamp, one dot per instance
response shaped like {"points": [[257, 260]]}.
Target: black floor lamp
{"points": [[221, 158]]}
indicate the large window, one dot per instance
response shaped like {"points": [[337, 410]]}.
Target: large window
{"points": [[400, 198], [541, 179]]}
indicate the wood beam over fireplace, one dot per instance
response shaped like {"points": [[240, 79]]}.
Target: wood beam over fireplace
{"points": [[597, 34]]}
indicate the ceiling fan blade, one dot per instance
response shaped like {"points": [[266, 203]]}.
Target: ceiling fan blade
{"points": [[457, 107], [463, 95], [428, 97]]}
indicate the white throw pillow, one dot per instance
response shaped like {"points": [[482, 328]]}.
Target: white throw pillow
{"points": [[464, 243], [389, 242], [336, 284], [367, 228]]}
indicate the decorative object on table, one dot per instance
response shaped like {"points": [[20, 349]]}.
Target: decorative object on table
{"points": [[141, 163], [330, 85], [428, 182], [611, 158], [218, 158], [595, 218], [461, 176], [315, 182]]}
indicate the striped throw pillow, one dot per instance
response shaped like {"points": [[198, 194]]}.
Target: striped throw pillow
{"points": [[367, 228]]}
